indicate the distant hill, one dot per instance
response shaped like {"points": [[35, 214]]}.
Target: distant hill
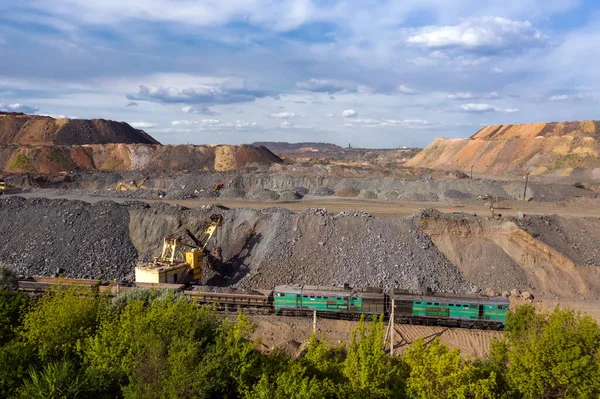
{"points": [[557, 148], [22, 129], [287, 148], [151, 158]]}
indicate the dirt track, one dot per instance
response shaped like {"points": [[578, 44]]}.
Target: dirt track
{"points": [[376, 208]]}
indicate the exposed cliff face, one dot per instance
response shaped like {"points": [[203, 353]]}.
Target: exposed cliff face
{"points": [[126, 157], [16, 128], [559, 149]]}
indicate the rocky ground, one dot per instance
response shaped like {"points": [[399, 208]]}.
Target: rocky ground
{"points": [[552, 257]]}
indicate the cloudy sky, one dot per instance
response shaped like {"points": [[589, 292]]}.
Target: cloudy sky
{"points": [[371, 73]]}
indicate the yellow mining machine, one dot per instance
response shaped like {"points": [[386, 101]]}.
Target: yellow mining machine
{"points": [[7, 188], [180, 261], [122, 186]]}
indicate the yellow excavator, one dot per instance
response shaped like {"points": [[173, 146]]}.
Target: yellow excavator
{"points": [[180, 261], [122, 186], [7, 188]]}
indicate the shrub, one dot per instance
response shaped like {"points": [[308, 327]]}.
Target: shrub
{"points": [[347, 192]]}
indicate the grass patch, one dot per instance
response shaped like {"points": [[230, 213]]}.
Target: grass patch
{"points": [[22, 163]]}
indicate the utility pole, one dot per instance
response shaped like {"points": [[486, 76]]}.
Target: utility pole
{"points": [[392, 329], [526, 181], [314, 321], [471, 172]]}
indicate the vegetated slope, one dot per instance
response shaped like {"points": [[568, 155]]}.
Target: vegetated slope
{"points": [[17, 128], [128, 157], [559, 149]]}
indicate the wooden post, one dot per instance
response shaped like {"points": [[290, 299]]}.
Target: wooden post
{"points": [[314, 321], [526, 181], [392, 329]]}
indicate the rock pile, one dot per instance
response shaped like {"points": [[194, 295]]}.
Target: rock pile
{"points": [[71, 238]]}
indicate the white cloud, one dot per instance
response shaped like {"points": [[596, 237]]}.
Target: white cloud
{"points": [[404, 123], [330, 86], [132, 104], [283, 115], [227, 92], [405, 90], [559, 97], [497, 70], [463, 95], [483, 108], [183, 122], [329, 115], [467, 95], [478, 108], [143, 125], [480, 34], [17, 107], [349, 113], [562, 97], [202, 110], [286, 124]]}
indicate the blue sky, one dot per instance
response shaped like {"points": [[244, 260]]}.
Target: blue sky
{"points": [[371, 73]]}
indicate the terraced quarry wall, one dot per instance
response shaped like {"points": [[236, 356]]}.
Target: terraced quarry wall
{"points": [[555, 149]]}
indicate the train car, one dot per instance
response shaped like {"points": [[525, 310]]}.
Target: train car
{"points": [[328, 300], [231, 299], [453, 310]]}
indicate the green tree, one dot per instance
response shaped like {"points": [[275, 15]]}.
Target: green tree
{"points": [[232, 366], [551, 355], [16, 360], [60, 319], [13, 305], [293, 381], [438, 372], [8, 280], [372, 373], [57, 380], [324, 359], [151, 348]]}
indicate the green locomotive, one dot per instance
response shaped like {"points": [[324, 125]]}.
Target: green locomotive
{"points": [[454, 310]]}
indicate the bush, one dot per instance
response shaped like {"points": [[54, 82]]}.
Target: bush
{"points": [[552, 354], [347, 192], [578, 185], [8, 280], [59, 379], [13, 305], [60, 319]]}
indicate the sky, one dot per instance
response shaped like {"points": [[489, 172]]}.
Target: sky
{"points": [[375, 74]]}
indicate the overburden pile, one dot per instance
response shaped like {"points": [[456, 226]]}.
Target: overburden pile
{"points": [[261, 248]]}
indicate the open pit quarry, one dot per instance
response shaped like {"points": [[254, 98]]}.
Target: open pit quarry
{"points": [[567, 149], [98, 198], [547, 256], [50, 231]]}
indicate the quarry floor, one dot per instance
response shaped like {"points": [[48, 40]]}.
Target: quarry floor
{"points": [[375, 207]]}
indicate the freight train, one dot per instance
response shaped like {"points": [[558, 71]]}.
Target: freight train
{"points": [[410, 307]]}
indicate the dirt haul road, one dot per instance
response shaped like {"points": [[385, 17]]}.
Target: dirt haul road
{"points": [[376, 208]]}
